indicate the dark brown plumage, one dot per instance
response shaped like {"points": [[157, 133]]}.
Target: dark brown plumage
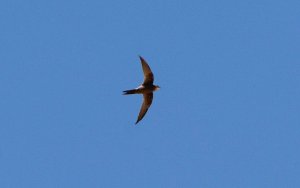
{"points": [[146, 88]]}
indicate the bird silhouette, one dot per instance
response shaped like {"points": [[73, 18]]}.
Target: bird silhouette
{"points": [[146, 88]]}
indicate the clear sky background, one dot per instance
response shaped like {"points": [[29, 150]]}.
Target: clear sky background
{"points": [[227, 114]]}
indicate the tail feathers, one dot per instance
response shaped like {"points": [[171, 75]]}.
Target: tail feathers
{"points": [[128, 92]]}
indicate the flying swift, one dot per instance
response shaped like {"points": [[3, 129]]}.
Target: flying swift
{"points": [[146, 89]]}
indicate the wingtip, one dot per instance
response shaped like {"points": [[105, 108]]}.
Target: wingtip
{"points": [[141, 58]]}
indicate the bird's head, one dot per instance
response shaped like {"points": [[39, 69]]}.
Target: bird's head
{"points": [[157, 87]]}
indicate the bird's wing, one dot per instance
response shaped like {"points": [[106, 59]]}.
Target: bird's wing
{"points": [[148, 75], [145, 106]]}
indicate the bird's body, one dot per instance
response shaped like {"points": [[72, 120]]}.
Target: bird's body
{"points": [[146, 88], [141, 90]]}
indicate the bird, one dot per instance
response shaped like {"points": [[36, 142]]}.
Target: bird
{"points": [[146, 89]]}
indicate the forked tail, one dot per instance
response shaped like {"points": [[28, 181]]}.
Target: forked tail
{"points": [[128, 92]]}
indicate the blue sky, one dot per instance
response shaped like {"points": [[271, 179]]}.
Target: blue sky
{"points": [[227, 114]]}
